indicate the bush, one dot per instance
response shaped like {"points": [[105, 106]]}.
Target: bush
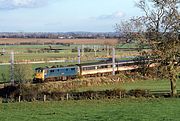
{"points": [[139, 93], [23, 73]]}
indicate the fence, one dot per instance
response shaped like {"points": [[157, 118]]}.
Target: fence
{"points": [[87, 95]]}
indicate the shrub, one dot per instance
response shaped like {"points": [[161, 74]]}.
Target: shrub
{"points": [[139, 93]]}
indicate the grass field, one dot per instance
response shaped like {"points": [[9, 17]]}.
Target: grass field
{"points": [[152, 85], [93, 110], [36, 54]]}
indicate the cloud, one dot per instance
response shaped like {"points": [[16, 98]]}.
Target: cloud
{"points": [[115, 15], [15, 4]]}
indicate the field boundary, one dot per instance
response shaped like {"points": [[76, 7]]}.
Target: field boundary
{"points": [[15, 94]]}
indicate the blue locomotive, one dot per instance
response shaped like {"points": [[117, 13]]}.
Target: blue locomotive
{"points": [[56, 73]]}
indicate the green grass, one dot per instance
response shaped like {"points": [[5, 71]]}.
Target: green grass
{"points": [[67, 55], [38, 56], [4, 70], [153, 85], [22, 52], [95, 110]]}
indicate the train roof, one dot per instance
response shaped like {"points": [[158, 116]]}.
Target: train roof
{"points": [[100, 63], [106, 63], [56, 67]]}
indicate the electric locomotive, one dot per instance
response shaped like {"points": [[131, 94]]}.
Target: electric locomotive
{"points": [[55, 73]]}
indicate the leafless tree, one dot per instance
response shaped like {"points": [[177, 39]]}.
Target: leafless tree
{"points": [[159, 28]]}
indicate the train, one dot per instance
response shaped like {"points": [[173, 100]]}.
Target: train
{"points": [[56, 73]]}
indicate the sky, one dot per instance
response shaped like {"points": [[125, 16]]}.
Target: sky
{"points": [[64, 15]]}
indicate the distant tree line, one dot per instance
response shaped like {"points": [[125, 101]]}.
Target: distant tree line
{"points": [[68, 35]]}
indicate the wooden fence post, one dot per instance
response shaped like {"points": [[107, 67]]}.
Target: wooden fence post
{"points": [[19, 98], [67, 96], [6, 98], [44, 98], [120, 94]]}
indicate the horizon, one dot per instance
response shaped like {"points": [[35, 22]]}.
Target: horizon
{"points": [[62, 32]]}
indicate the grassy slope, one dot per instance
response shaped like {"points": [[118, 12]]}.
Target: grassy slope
{"points": [[95, 110], [152, 85]]}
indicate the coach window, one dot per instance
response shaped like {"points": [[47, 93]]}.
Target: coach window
{"points": [[94, 67], [85, 68], [104, 66], [67, 69]]}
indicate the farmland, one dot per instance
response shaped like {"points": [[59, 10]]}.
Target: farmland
{"points": [[42, 51], [125, 109], [53, 41]]}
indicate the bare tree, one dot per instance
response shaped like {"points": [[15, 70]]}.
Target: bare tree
{"points": [[159, 28]]}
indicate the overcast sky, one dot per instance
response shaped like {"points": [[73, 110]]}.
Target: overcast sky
{"points": [[64, 15]]}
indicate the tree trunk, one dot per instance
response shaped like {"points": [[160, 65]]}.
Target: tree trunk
{"points": [[173, 88]]}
